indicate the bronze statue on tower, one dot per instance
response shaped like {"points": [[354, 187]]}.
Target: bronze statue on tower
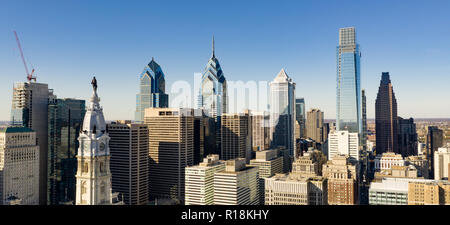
{"points": [[94, 84]]}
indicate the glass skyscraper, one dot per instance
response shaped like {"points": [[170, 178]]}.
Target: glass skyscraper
{"points": [[213, 89], [65, 117], [282, 112], [213, 96], [348, 90], [152, 90], [300, 115]]}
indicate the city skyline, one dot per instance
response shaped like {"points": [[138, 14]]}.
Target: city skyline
{"points": [[308, 54]]}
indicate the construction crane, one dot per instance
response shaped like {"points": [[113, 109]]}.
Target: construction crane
{"points": [[29, 75]]}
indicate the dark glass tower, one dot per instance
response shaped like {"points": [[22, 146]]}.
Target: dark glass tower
{"points": [[363, 139], [65, 117], [435, 139], [407, 137], [386, 117], [152, 90]]}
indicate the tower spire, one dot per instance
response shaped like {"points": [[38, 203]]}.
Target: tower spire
{"points": [[213, 55]]}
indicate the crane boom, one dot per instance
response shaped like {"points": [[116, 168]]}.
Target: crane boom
{"points": [[29, 75]]}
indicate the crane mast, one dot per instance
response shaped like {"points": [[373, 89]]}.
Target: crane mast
{"points": [[29, 75]]}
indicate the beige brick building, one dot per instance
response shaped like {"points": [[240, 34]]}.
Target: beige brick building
{"points": [[429, 192], [171, 146], [342, 181]]}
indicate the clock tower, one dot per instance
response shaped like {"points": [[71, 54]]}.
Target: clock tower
{"points": [[93, 174]]}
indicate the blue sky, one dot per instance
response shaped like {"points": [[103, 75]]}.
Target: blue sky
{"points": [[69, 41]]}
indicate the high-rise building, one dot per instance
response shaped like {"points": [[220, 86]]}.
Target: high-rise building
{"points": [[93, 173], [171, 149], [237, 184], [269, 163], [314, 125], [407, 137], [363, 137], [282, 112], [386, 117], [204, 136], [213, 95], [260, 130], [65, 118], [300, 116], [152, 91], [442, 163], [19, 166], [435, 140], [129, 161], [199, 183], [428, 192], [236, 136], [342, 181], [343, 142], [348, 91], [30, 109]]}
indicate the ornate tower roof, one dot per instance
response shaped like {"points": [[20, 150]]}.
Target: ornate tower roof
{"points": [[94, 121]]}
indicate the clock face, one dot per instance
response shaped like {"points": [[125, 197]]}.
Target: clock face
{"points": [[102, 146]]}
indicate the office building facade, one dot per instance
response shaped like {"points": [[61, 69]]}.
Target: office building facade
{"points": [[65, 119], [343, 142], [30, 109], [129, 161], [19, 166], [282, 112], [237, 184], [386, 117], [171, 149], [300, 116], [314, 125], [199, 189]]}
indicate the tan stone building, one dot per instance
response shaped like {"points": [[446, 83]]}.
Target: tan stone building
{"points": [[19, 166], [171, 146], [269, 163], [314, 125], [260, 130], [342, 181], [236, 136], [291, 189], [129, 161], [310, 164], [429, 192]]}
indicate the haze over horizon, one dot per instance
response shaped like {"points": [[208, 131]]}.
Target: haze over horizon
{"points": [[69, 42]]}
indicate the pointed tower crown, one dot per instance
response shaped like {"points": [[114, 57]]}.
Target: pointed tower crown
{"points": [[282, 77]]}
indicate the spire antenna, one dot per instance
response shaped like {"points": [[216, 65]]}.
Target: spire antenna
{"points": [[213, 55]]}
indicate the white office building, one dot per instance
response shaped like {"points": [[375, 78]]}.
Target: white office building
{"points": [[343, 143], [237, 184], [442, 163], [199, 183]]}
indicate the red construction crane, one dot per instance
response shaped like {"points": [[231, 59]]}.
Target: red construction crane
{"points": [[29, 75]]}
